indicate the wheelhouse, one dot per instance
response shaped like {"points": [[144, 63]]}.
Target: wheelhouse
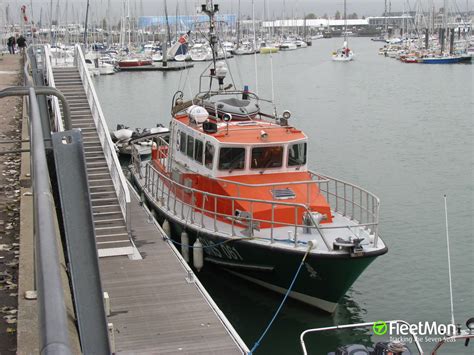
{"points": [[236, 149]]}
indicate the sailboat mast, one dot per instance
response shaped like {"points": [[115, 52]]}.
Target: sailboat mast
{"points": [[129, 27], [167, 24], [345, 22], [85, 24], [238, 26]]}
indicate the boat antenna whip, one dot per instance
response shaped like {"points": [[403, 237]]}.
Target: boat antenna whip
{"points": [[449, 261], [255, 47], [311, 245]]}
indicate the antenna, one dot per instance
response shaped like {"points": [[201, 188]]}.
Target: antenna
{"points": [[449, 261], [255, 47], [210, 9]]}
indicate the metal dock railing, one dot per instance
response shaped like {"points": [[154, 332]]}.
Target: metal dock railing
{"points": [[145, 295]]}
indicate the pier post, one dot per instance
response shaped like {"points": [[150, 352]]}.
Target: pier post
{"points": [[164, 50]]}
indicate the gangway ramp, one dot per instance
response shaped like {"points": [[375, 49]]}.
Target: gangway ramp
{"points": [[112, 233]]}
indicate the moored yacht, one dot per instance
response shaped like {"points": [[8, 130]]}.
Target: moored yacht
{"points": [[234, 181]]}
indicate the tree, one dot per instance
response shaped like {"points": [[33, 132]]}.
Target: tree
{"points": [[104, 24], [310, 16], [337, 16], [353, 16], [325, 16]]}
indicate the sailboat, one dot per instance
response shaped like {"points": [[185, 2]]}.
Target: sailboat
{"points": [[232, 187], [343, 54]]}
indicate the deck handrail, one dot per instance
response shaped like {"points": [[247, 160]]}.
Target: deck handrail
{"points": [[345, 198], [173, 185], [152, 174], [116, 173], [58, 120], [353, 202]]}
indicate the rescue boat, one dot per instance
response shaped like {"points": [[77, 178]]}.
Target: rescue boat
{"points": [[236, 184]]}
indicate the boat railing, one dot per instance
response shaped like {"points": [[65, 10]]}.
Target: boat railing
{"points": [[315, 178], [58, 119], [349, 200], [162, 146], [115, 169], [353, 202], [385, 324], [197, 204], [167, 192], [309, 184]]}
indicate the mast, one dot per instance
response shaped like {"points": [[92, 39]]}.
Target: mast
{"points": [[238, 26], [210, 10], [85, 24], [345, 23], [51, 22], [129, 27], [167, 24]]}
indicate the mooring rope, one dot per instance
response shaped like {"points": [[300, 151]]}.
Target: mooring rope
{"points": [[257, 343]]}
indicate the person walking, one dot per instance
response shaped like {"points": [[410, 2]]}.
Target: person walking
{"points": [[11, 44], [21, 41]]}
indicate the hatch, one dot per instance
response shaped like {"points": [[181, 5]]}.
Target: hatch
{"points": [[283, 194]]}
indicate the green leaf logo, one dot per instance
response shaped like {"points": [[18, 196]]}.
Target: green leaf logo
{"points": [[380, 327]]}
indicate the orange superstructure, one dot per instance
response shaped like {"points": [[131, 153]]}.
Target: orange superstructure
{"points": [[250, 188]]}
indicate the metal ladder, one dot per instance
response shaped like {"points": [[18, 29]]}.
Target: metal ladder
{"points": [[110, 226]]}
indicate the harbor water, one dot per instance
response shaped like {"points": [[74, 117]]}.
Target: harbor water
{"points": [[402, 131]]}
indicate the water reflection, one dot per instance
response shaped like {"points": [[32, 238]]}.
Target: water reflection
{"points": [[250, 307]]}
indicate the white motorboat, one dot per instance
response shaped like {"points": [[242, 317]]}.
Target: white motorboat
{"points": [[288, 45], [301, 44], [200, 53], [124, 138]]}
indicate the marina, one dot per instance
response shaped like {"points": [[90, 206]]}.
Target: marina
{"points": [[380, 116], [220, 228]]}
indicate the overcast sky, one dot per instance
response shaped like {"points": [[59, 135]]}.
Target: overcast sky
{"points": [[274, 8]]}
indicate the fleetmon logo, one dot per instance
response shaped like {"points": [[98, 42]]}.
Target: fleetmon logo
{"points": [[380, 327]]}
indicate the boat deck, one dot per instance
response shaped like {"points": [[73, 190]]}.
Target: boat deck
{"points": [[283, 236], [154, 309]]}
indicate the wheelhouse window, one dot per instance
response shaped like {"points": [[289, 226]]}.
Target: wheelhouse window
{"points": [[182, 142], [297, 154], [209, 155], [190, 147], [231, 158], [267, 157], [198, 148]]}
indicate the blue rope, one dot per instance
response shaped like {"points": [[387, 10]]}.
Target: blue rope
{"points": [[257, 343]]}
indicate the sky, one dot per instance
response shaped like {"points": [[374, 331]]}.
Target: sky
{"points": [[274, 8]]}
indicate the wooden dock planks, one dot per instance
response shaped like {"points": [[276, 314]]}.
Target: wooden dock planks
{"points": [[153, 308]]}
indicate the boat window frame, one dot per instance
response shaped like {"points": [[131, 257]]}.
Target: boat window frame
{"points": [[305, 143], [264, 166], [183, 138], [244, 158], [212, 151], [196, 142], [190, 146]]}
